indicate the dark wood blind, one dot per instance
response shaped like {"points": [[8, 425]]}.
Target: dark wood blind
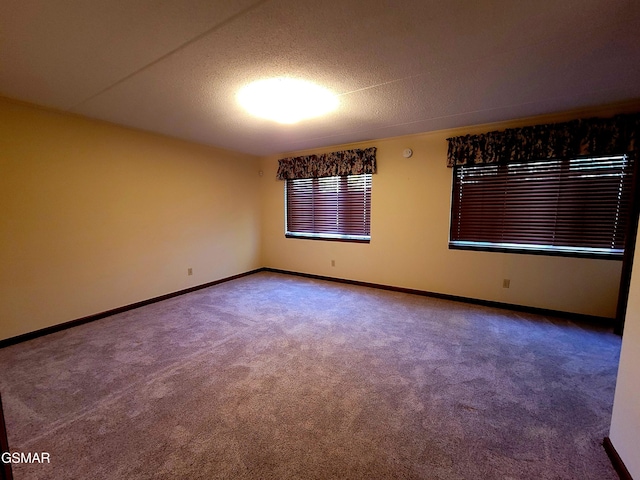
{"points": [[567, 206], [329, 207]]}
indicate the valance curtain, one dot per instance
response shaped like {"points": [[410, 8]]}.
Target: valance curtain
{"points": [[594, 136], [347, 162]]}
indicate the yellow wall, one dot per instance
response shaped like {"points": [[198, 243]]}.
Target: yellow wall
{"points": [[95, 216], [409, 236]]}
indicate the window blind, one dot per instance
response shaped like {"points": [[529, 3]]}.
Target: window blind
{"points": [[329, 207], [571, 206]]}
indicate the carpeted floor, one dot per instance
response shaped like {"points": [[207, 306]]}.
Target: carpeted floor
{"points": [[276, 376]]}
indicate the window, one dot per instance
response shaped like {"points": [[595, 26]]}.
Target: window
{"points": [[572, 207], [337, 208]]}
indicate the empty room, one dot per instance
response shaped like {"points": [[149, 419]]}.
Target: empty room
{"points": [[353, 239]]}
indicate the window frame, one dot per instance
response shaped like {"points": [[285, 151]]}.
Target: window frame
{"points": [[549, 250], [337, 237]]}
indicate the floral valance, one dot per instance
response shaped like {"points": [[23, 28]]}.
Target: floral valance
{"points": [[347, 162], [593, 136]]}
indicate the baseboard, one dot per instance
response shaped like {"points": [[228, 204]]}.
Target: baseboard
{"points": [[579, 317], [602, 321], [616, 461], [97, 316]]}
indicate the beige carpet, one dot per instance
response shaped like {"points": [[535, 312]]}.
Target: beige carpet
{"points": [[276, 376]]}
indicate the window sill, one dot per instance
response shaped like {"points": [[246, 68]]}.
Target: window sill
{"points": [[578, 252], [331, 238]]}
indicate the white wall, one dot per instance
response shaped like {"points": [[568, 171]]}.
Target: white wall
{"points": [[625, 421]]}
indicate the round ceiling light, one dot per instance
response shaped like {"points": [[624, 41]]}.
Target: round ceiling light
{"points": [[286, 100]]}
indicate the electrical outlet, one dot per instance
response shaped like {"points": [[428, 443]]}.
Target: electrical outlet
{"points": [[333, 263], [189, 271], [506, 283]]}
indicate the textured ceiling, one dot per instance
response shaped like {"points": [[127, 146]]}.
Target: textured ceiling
{"points": [[399, 66]]}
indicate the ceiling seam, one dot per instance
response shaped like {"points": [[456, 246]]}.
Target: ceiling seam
{"points": [[171, 52], [446, 117], [369, 87]]}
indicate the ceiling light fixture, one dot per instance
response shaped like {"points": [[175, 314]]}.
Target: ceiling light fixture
{"points": [[286, 100]]}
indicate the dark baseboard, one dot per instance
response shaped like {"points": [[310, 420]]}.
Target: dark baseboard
{"points": [[592, 319], [579, 317], [616, 461], [97, 316]]}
